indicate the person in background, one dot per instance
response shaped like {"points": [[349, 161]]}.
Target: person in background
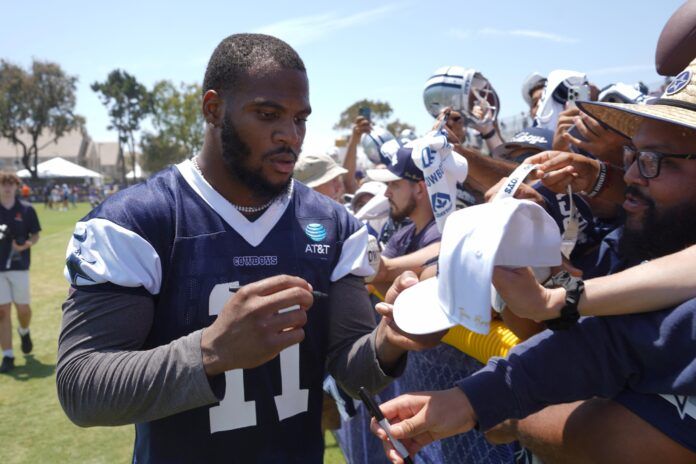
{"points": [[19, 231], [532, 89], [25, 191], [408, 199], [598, 383], [321, 173], [361, 126]]}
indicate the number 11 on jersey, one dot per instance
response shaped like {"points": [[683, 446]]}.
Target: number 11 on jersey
{"points": [[234, 412]]}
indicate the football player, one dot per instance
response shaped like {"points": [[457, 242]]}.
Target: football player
{"points": [[208, 302]]}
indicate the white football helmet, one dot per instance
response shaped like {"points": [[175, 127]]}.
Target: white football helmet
{"points": [[461, 89], [623, 93], [372, 143], [406, 135]]}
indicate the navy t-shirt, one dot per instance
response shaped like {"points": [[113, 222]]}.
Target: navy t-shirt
{"points": [[406, 240], [16, 223]]}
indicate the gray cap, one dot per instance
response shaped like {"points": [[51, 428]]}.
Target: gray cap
{"points": [[316, 169]]}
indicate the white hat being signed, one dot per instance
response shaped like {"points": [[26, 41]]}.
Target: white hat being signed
{"points": [[507, 232]]}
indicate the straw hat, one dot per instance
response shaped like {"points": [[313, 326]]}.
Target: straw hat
{"points": [[316, 169], [676, 106]]}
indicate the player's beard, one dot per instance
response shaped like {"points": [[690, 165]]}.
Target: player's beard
{"points": [[401, 214], [660, 232], [236, 154]]}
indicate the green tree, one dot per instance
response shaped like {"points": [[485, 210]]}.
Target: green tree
{"points": [[129, 103], [380, 112], [159, 151], [177, 114], [396, 126], [42, 99]]}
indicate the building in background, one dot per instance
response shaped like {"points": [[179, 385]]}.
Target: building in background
{"points": [[75, 146]]}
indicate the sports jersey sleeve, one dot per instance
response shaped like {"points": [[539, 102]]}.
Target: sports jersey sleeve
{"points": [[103, 252], [123, 244], [105, 378], [354, 257], [601, 356]]}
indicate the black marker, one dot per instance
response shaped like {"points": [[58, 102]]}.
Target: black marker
{"points": [[375, 412], [315, 293]]}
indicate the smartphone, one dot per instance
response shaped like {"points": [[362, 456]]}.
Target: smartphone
{"points": [[443, 122], [578, 92], [365, 112]]}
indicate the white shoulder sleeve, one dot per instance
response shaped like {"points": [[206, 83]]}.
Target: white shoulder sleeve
{"points": [[354, 257], [101, 251]]}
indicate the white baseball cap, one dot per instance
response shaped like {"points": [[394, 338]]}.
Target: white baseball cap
{"points": [[507, 232]]}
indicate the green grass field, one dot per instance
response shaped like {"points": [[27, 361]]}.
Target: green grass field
{"points": [[33, 427]]}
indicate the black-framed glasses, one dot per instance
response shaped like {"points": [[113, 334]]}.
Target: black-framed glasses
{"points": [[649, 162]]}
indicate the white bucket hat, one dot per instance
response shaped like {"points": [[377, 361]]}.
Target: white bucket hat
{"points": [[314, 170]]}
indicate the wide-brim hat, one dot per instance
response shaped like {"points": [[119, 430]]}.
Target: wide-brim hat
{"points": [[677, 105], [314, 170]]}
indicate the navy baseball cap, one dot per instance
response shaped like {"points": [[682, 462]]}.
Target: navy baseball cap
{"points": [[400, 166], [535, 139]]}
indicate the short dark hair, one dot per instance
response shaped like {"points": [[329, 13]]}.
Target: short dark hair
{"points": [[237, 54], [7, 177], [540, 85]]}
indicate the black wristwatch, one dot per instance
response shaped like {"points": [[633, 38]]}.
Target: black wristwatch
{"points": [[569, 313], [488, 135]]}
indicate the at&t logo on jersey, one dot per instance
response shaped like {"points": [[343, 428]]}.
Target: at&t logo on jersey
{"points": [[316, 233]]}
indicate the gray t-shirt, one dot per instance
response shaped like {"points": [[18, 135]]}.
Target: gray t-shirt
{"points": [[406, 240]]}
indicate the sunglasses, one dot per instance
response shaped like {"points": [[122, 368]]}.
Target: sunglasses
{"points": [[649, 162]]}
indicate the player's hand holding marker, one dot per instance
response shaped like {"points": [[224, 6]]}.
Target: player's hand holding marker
{"points": [[256, 324]]}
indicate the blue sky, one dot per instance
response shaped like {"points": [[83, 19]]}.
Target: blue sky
{"points": [[352, 50]]}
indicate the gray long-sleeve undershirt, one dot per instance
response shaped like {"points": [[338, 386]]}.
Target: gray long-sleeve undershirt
{"points": [[105, 378]]}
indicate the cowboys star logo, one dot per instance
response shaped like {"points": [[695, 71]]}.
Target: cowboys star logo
{"points": [[679, 82]]}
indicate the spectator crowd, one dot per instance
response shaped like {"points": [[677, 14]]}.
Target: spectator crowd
{"points": [[611, 168]]}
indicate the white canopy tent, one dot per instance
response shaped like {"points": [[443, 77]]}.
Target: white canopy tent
{"points": [[135, 174], [58, 167]]}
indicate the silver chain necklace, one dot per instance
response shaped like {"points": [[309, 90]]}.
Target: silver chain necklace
{"points": [[246, 209]]}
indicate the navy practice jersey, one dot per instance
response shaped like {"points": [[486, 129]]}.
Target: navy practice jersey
{"points": [[179, 240], [16, 224]]}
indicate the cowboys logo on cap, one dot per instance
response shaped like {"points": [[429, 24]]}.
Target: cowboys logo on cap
{"points": [[679, 82]]}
